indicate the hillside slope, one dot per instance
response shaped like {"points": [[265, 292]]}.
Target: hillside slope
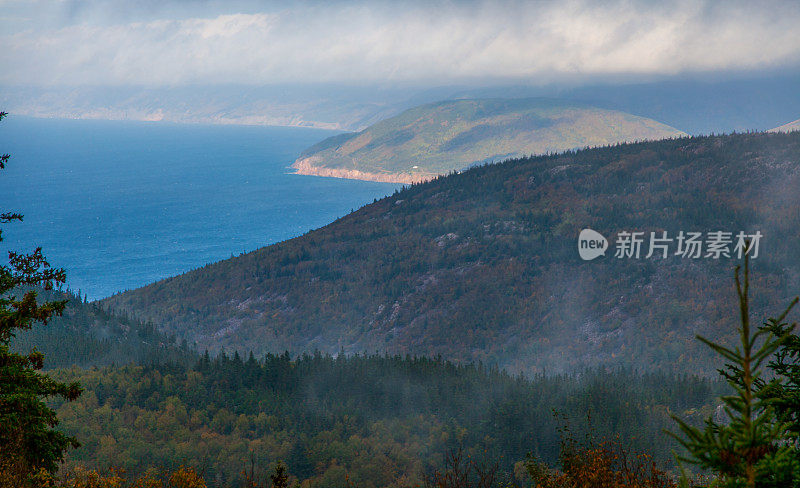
{"points": [[483, 265], [441, 137], [790, 127], [86, 335]]}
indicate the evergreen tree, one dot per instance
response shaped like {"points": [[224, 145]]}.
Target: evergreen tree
{"points": [[784, 394], [28, 440], [751, 449], [280, 479]]}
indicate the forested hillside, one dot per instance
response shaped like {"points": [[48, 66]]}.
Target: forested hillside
{"points": [[441, 137], [483, 265], [376, 421], [87, 335]]}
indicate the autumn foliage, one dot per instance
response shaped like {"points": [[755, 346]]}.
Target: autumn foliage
{"points": [[593, 464], [82, 477]]}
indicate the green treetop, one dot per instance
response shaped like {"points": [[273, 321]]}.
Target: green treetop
{"points": [[753, 446], [29, 442]]}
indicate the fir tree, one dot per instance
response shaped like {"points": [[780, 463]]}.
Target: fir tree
{"points": [[280, 479], [751, 449], [28, 441], [784, 393]]}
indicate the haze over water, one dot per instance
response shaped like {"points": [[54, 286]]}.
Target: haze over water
{"points": [[123, 204]]}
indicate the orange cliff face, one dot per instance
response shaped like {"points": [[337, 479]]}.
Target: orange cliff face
{"points": [[310, 166]]}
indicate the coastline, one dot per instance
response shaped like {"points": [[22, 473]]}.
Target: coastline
{"points": [[309, 166]]}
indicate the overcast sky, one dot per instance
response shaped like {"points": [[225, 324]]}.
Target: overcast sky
{"points": [[173, 43]]}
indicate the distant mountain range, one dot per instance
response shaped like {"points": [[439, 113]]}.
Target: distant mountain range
{"points": [[335, 108], [437, 138], [695, 106], [483, 265]]}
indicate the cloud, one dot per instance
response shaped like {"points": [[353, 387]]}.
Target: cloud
{"points": [[364, 43]]}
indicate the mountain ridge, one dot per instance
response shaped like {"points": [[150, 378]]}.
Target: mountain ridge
{"points": [[696, 106], [483, 266], [789, 127], [451, 135]]}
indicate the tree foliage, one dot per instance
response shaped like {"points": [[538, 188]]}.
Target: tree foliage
{"points": [[28, 440], [481, 265], [87, 335], [381, 420], [751, 447], [608, 463], [783, 394]]}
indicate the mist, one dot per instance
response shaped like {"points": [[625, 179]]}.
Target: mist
{"points": [[178, 43]]}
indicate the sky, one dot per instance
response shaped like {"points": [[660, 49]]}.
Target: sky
{"points": [[180, 43]]}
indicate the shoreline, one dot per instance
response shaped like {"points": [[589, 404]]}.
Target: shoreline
{"points": [[308, 166]]}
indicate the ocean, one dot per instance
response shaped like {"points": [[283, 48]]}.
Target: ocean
{"points": [[121, 204]]}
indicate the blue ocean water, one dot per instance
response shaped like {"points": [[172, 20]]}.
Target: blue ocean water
{"points": [[123, 204]]}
